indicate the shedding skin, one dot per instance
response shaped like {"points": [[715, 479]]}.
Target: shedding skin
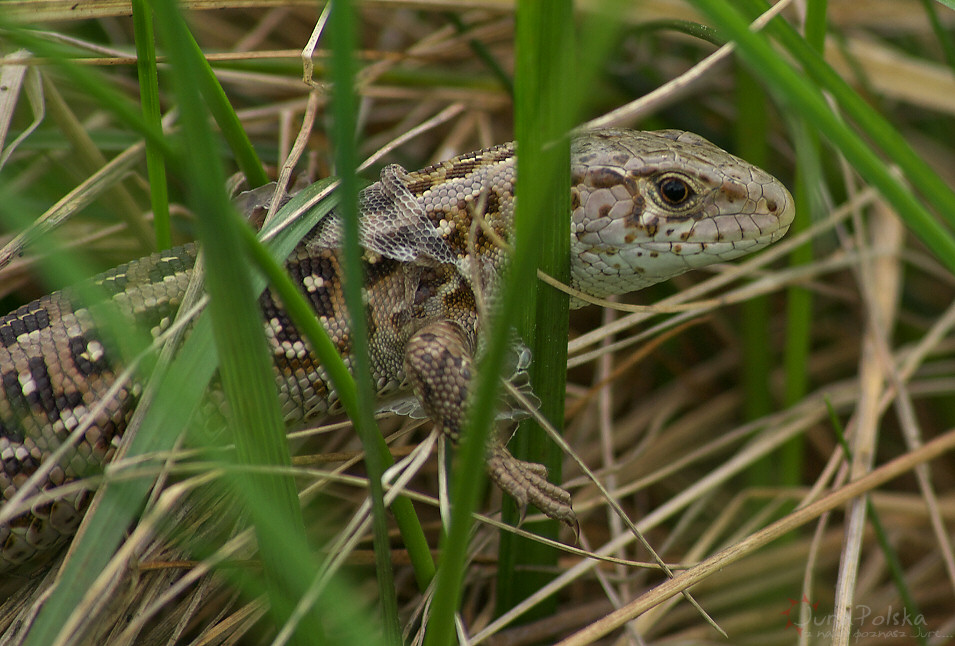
{"points": [[646, 206]]}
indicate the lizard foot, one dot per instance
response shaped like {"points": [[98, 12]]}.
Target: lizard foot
{"points": [[527, 482]]}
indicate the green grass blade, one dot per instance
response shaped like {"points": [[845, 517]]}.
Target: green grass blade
{"points": [[799, 92], [245, 365], [816, 24], [344, 108], [944, 37], [469, 475], [222, 111], [149, 97], [799, 300], [545, 56], [483, 53]]}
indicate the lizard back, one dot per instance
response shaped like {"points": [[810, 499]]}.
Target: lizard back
{"points": [[57, 367], [646, 206]]}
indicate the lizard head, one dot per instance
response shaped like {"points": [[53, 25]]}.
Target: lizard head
{"points": [[648, 206]]}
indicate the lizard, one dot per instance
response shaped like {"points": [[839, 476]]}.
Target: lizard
{"points": [[645, 206]]}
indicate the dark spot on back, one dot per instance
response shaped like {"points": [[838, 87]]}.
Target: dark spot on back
{"points": [[11, 430], [492, 202], [421, 185], [14, 394], [25, 319], [84, 364], [462, 168], [32, 317], [69, 401], [157, 272], [43, 390], [7, 337], [320, 296]]}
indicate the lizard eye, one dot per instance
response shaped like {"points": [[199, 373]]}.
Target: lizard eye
{"points": [[674, 190]]}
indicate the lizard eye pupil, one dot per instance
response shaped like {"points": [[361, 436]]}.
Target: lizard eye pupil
{"points": [[674, 190]]}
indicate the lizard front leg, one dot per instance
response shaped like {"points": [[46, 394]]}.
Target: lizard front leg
{"points": [[439, 365]]}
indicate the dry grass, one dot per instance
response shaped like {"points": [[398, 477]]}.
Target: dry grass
{"points": [[655, 400]]}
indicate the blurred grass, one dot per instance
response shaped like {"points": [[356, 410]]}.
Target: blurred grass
{"points": [[148, 76], [546, 74], [342, 29], [679, 441], [543, 50]]}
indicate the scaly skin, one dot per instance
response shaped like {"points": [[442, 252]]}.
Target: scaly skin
{"points": [[645, 207]]}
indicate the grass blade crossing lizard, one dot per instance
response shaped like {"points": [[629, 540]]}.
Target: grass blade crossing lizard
{"points": [[646, 206]]}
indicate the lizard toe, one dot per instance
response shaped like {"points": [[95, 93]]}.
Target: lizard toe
{"points": [[527, 483]]}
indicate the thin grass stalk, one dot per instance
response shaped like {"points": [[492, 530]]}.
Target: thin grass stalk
{"points": [[92, 81], [544, 55], [688, 27], [892, 560], [89, 157], [344, 108], [149, 98], [484, 54]]}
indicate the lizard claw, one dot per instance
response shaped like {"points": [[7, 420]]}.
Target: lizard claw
{"points": [[527, 483]]}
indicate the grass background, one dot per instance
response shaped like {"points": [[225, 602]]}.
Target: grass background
{"points": [[706, 424]]}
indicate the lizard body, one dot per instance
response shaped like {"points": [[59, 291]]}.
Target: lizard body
{"points": [[645, 206]]}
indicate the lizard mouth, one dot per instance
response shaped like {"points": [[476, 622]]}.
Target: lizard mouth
{"points": [[680, 246]]}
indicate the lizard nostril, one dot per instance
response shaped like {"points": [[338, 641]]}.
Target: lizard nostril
{"points": [[771, 206]]}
